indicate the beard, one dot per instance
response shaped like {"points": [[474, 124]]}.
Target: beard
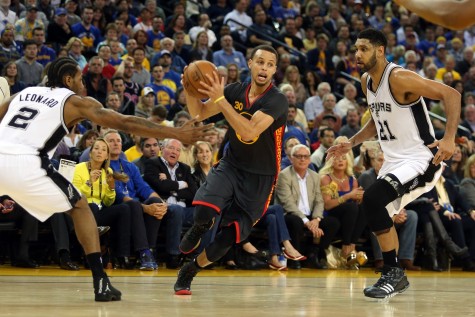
{"points": [[370, 64]]}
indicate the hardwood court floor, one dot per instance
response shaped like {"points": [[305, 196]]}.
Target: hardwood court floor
{"points": [[50, 291]]}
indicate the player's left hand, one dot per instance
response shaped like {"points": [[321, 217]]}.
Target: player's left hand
{"points": [[215, 89], [338, 150], [446, 150]]}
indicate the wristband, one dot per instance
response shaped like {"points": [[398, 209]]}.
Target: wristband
{"points": [[219, 99]]}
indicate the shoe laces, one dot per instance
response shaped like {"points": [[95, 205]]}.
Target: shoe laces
{"points": [[388, 276]]}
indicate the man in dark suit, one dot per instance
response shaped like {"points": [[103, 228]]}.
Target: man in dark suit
{"points": [[173, 181]]}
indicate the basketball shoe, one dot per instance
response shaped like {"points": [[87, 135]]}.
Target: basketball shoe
{"points": [[392, 282], [104, 291], [185, 277]]}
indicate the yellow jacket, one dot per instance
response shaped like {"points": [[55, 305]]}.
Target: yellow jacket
{"points": [[81, 180]]}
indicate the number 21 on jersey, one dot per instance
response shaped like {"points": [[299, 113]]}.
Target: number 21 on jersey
{"points": [[385, 133]]}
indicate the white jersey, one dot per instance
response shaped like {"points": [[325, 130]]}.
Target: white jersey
{"points": [[34, 123], [404, 131]]}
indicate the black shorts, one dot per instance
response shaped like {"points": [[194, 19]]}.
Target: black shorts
{"points": [[242, 197]]}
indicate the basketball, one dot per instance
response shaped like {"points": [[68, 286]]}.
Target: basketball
{"points": [[4, 89], [196, 72]]}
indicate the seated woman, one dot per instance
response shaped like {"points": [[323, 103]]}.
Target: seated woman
{"points": [[341, 196], [96, 180]]}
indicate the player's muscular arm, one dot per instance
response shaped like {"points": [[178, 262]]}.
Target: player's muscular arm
{"points": [[453, 14], [409, 86], [81, 108]]}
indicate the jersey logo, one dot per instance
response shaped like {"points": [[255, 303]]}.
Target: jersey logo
{"points": [[377, 107], [249, 116]]}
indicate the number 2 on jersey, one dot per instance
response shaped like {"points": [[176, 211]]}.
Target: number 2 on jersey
{"points": [[384, 131], [21, 120]]}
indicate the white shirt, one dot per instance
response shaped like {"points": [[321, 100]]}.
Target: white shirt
{"points": [[304, 205]]}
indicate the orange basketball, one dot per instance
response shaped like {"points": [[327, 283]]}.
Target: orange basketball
{"points": [[196, 72]]}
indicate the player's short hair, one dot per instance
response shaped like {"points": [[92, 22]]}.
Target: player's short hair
{"points": [[267, 48], [375, 37], [64, 66]]}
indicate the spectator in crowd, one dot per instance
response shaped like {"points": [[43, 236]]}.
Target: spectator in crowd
{"points": [[341, 196], [45, 54], [141, 75], [7, 15], [313, 106], [96, 180], [132, 89], [228, 54], [86, 32], [204, 24], [150, 149], [152, 207], [10, 72], [180, 50], [29, 70], [97, 85], [201, 50], [326, 137], [9, 51], [126, 105], [59, 30], [74, 48], [329, 102], [292, 77], [146, 103], [71, 7], [298, 192], [173, 181], [259, 27], [164, 94], [467, 61], [348, 102], [24, 26], [141, 38], [239, 14], [155, 34]]}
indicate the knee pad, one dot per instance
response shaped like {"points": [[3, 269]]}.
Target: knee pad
{"points": [[375, 199], [204, 215], [223, 241]]}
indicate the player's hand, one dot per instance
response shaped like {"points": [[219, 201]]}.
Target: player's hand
{"points": [[446, 150], [216, 88], [189, 133], [338, 150]]}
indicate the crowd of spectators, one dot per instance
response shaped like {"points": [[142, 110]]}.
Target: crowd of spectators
{"points": [[132, 54]]}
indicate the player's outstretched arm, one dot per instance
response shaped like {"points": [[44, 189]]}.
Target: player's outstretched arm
{"points": [[453, 14], [79, 108]]}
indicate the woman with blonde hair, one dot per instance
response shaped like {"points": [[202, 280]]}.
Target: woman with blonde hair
{"points": [[201, 50], [74, 48], [341, 196], [292, 77], [96, 181]]}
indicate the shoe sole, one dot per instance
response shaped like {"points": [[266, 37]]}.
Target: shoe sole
{"points": [[183, 292], [112, 298]]}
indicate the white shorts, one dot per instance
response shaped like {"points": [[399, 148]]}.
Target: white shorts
{"points": [[416, 177], [33, 183]]}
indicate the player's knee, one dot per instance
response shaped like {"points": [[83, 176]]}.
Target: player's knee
{"points": [[375, 199], [204, 215]]}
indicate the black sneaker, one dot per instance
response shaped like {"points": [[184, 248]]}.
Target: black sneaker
{"points": [[392, 282], [192, 238], [185, 277], [104, 291]]}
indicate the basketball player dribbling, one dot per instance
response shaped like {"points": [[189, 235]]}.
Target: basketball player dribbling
{"points": [[243, 181], [412, 155], [33, 122]]}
